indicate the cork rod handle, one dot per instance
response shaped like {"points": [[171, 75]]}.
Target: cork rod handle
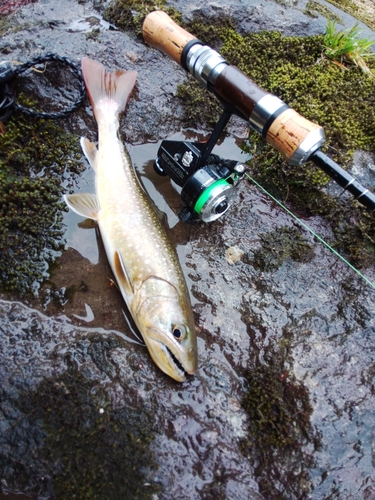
{"points": [[288, 131], [162, 33]]}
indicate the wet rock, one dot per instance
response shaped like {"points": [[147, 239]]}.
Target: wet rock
{"points": [[306, 324], [291, 17], [71, 394]]}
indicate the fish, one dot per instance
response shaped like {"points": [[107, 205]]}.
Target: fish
{"points": [[143, 261]]}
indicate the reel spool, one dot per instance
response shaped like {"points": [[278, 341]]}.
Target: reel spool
{"points": [[209, 197]]}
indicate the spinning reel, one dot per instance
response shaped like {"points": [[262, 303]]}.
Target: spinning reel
{"points": [[208, 182]]}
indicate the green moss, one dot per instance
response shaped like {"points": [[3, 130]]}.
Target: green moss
{"points": [[279, 425], [212, 32], [280, 245], [354, 230], [129, 14], [90, 450], [278, 407], [35, 156]]}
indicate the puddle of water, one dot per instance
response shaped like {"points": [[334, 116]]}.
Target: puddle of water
{"points": [[82, 239], [88, 24]]}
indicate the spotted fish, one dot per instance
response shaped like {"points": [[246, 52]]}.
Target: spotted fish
{"points": [[142, 259]]}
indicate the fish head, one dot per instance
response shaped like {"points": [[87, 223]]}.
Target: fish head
{"points": [[165, 320]]}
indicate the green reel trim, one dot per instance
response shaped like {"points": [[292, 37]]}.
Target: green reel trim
{"points": [[205, 196]]}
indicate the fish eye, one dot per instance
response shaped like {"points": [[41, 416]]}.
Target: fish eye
{"points": [[179, 332]]}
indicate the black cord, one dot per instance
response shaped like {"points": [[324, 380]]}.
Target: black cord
{"points": [[77, 73]]}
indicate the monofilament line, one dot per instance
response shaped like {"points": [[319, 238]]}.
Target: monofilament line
{"points": [[311, 231]]}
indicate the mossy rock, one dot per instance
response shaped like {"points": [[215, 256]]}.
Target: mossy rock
{"points": [[280, 427], [90, 450], [280, 245], [35, 157], [128, 15], [273, 400]]}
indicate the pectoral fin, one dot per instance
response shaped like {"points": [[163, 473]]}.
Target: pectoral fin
{"points": [[84, 204], [90, 151], [122, 274]]}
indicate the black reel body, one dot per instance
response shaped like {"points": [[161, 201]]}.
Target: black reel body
{"points": [[207, 181]]}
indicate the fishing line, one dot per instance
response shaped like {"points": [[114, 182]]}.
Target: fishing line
{"points": [[369, 282]]}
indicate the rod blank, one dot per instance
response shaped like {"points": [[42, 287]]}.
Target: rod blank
{"points": [[344, 179]]}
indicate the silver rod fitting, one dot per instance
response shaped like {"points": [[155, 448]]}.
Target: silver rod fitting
{"points": [[205, 64]]}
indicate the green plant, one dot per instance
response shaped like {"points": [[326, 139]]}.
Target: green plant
{"points": [[346, 47]]}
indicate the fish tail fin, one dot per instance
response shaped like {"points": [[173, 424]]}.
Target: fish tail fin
{"points": [[101, 85]]}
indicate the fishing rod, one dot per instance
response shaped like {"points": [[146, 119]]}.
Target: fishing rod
{"points": [[207, 181]]}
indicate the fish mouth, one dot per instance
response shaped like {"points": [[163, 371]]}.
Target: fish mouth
{"points": [[174, 361], [169, 359]]}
